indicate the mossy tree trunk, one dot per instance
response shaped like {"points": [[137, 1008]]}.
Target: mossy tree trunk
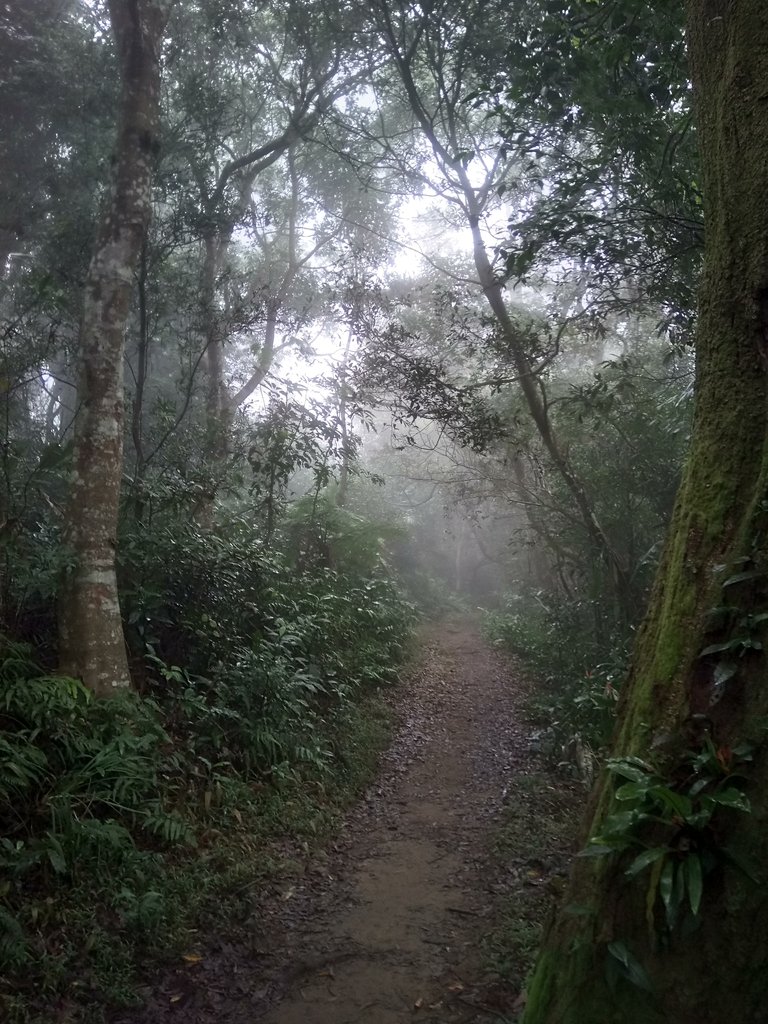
{"points": [[719, 971]]}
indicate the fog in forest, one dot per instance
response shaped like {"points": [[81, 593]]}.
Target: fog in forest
{"points": [[331, 333]]}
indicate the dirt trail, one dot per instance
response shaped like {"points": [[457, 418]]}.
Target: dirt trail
{"points": [[404, 944], [386, 926]]}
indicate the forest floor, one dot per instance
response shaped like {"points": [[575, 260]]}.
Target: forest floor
{"points": [[428, 905]]}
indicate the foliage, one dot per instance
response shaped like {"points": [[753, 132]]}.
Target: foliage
{"points": [[673, 825], [577, 679], [596, 99], [257, 684]]}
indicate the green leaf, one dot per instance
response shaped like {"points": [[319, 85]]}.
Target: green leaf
{"points": [[743, 577], [666, 887], [724, 670], [631, 768], [646, 858], [678, 803], [738, 862], [596, 849], [744, 751], [631, 791], [695, 882], [633, 969], [728, 645], [731, 797], [697, 787]]}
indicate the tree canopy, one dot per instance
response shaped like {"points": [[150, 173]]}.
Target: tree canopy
{"points": [[314, 313]]}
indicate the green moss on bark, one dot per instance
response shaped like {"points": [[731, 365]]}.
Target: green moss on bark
{"points": [[720, 971]]}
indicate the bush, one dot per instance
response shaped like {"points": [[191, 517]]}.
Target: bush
{"points": [[255, 681], [578, 675]]}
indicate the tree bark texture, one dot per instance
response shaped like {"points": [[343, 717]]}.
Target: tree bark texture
{"points": [[91, 635], [719, 534]]}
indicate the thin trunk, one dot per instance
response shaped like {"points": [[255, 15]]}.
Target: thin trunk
{"points": [[534, 398], [343, 488], [91, 633], [221, 406], [137, 414], [264, 362], [215, 249]]}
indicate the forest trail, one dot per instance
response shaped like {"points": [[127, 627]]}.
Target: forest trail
{"points": [[386, 927], [404, 944]]}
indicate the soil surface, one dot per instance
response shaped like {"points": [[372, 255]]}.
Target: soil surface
{"points": [[386, 926]]}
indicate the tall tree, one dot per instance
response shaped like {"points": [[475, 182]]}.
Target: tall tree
{"points": [[91, 633], [688, 925], [435, 52]]}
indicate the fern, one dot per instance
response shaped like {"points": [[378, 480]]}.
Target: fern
{"points": [[168, 826]]}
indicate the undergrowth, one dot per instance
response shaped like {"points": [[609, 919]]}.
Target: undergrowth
{"points": [[130, 826], [577, 674], [119, 838]]}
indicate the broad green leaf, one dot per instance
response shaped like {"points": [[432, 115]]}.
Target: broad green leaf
{"points": [[695, 882], [631, 768], [724, 670], [680, 804], [697, 787], [738, 862], [646, 858], [743, 577], [633, 969], [631, 791], [727, 645], [666, 886], [731, 797], [596, 849]]}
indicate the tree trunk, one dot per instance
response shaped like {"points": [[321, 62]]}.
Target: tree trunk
{"points": [[718, 972], [91, 634]]}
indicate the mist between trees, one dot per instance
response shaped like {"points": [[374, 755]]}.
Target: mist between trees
{"points": [[317, 317]]}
